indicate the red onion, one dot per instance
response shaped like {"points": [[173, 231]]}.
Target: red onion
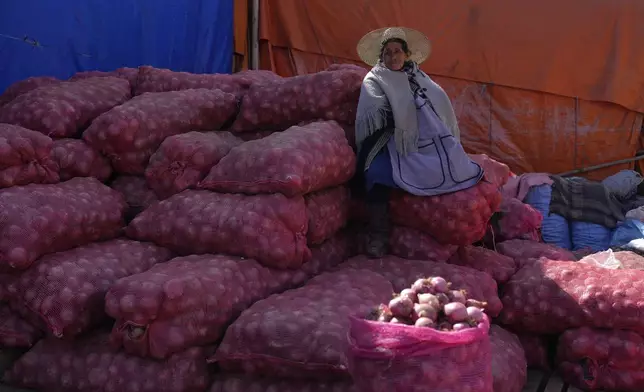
{"points": [[401, 307], [455, 312], [421, 286], [425, 311], [457, 296], [475, 314], [409, 293], [460, 326], [429, 299], [439, 284], [424, 322]]}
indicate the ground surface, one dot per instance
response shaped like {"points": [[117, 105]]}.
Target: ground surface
{"points": [[537, 381]]}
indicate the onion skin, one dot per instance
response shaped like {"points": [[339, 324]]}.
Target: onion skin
{"points": [[475, 303]]}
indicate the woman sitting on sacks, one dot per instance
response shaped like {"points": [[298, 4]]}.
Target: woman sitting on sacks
{"points": [[406, 130]]}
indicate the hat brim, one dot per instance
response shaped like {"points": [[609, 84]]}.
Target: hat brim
{"points": [[369, 46]]}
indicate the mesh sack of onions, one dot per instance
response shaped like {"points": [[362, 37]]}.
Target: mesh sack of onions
{"points": [[523, 251], [495, 172], [630, 260], [248, 136], [268, 228], [129, 74], [187, 301], [416, 245], [428, 338], [64, 293], [16, 331], [75, 158], [459, 218], [63, 109], [40, 219], [354, 67], [138, 196], [26, 85], [606, 360], [294, 162], [549, 297], [5, 280], [129, 134], [518, 220], [327, 95], [328, 212], [25, 157], [509, 366], [135, 190], [536, 350], [499, 266], [302, 333], [324, 257], [245, 383], [156, 80], [91, 365], [400, 272], [183, 160]]}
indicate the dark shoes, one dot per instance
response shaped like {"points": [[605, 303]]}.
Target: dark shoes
{"points": [[378, 230]]}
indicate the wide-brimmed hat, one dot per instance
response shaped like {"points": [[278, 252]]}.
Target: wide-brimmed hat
{"points": [[370, 45]]}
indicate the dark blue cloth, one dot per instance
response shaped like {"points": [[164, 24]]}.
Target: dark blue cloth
{"points": [[62, 37], [380, 171]]}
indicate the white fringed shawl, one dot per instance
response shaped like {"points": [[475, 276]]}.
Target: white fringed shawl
{"points": [[387, 92]]}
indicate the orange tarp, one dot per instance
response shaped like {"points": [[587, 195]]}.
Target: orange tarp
{"points": [[542, 85]]}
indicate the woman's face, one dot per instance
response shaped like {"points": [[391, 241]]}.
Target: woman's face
{"points": [[394, 56]]}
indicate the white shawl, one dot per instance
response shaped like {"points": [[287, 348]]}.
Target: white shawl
{"points": [[385, 91]]}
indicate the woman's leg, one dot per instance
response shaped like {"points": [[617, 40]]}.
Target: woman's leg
{"points": [[379, 227]]}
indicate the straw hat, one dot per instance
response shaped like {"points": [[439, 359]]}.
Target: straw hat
{"points": [[369, 46]]}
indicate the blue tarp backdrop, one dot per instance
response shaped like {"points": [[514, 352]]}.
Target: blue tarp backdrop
{"points": [[61, 37]]}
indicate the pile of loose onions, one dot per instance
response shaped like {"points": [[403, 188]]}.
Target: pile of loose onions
{"points": [[431, 303]]}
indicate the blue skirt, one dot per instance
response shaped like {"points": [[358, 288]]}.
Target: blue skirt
{"points": [[380, 171]]}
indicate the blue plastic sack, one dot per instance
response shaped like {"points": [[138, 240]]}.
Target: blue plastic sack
{"points": [[554, 228], [626, 232], [586, 235]]}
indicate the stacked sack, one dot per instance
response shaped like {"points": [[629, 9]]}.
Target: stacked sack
{"points": [[62, 247], [434, 228], [281, 200], [593, 306], [54, 207], [234, 188]]}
